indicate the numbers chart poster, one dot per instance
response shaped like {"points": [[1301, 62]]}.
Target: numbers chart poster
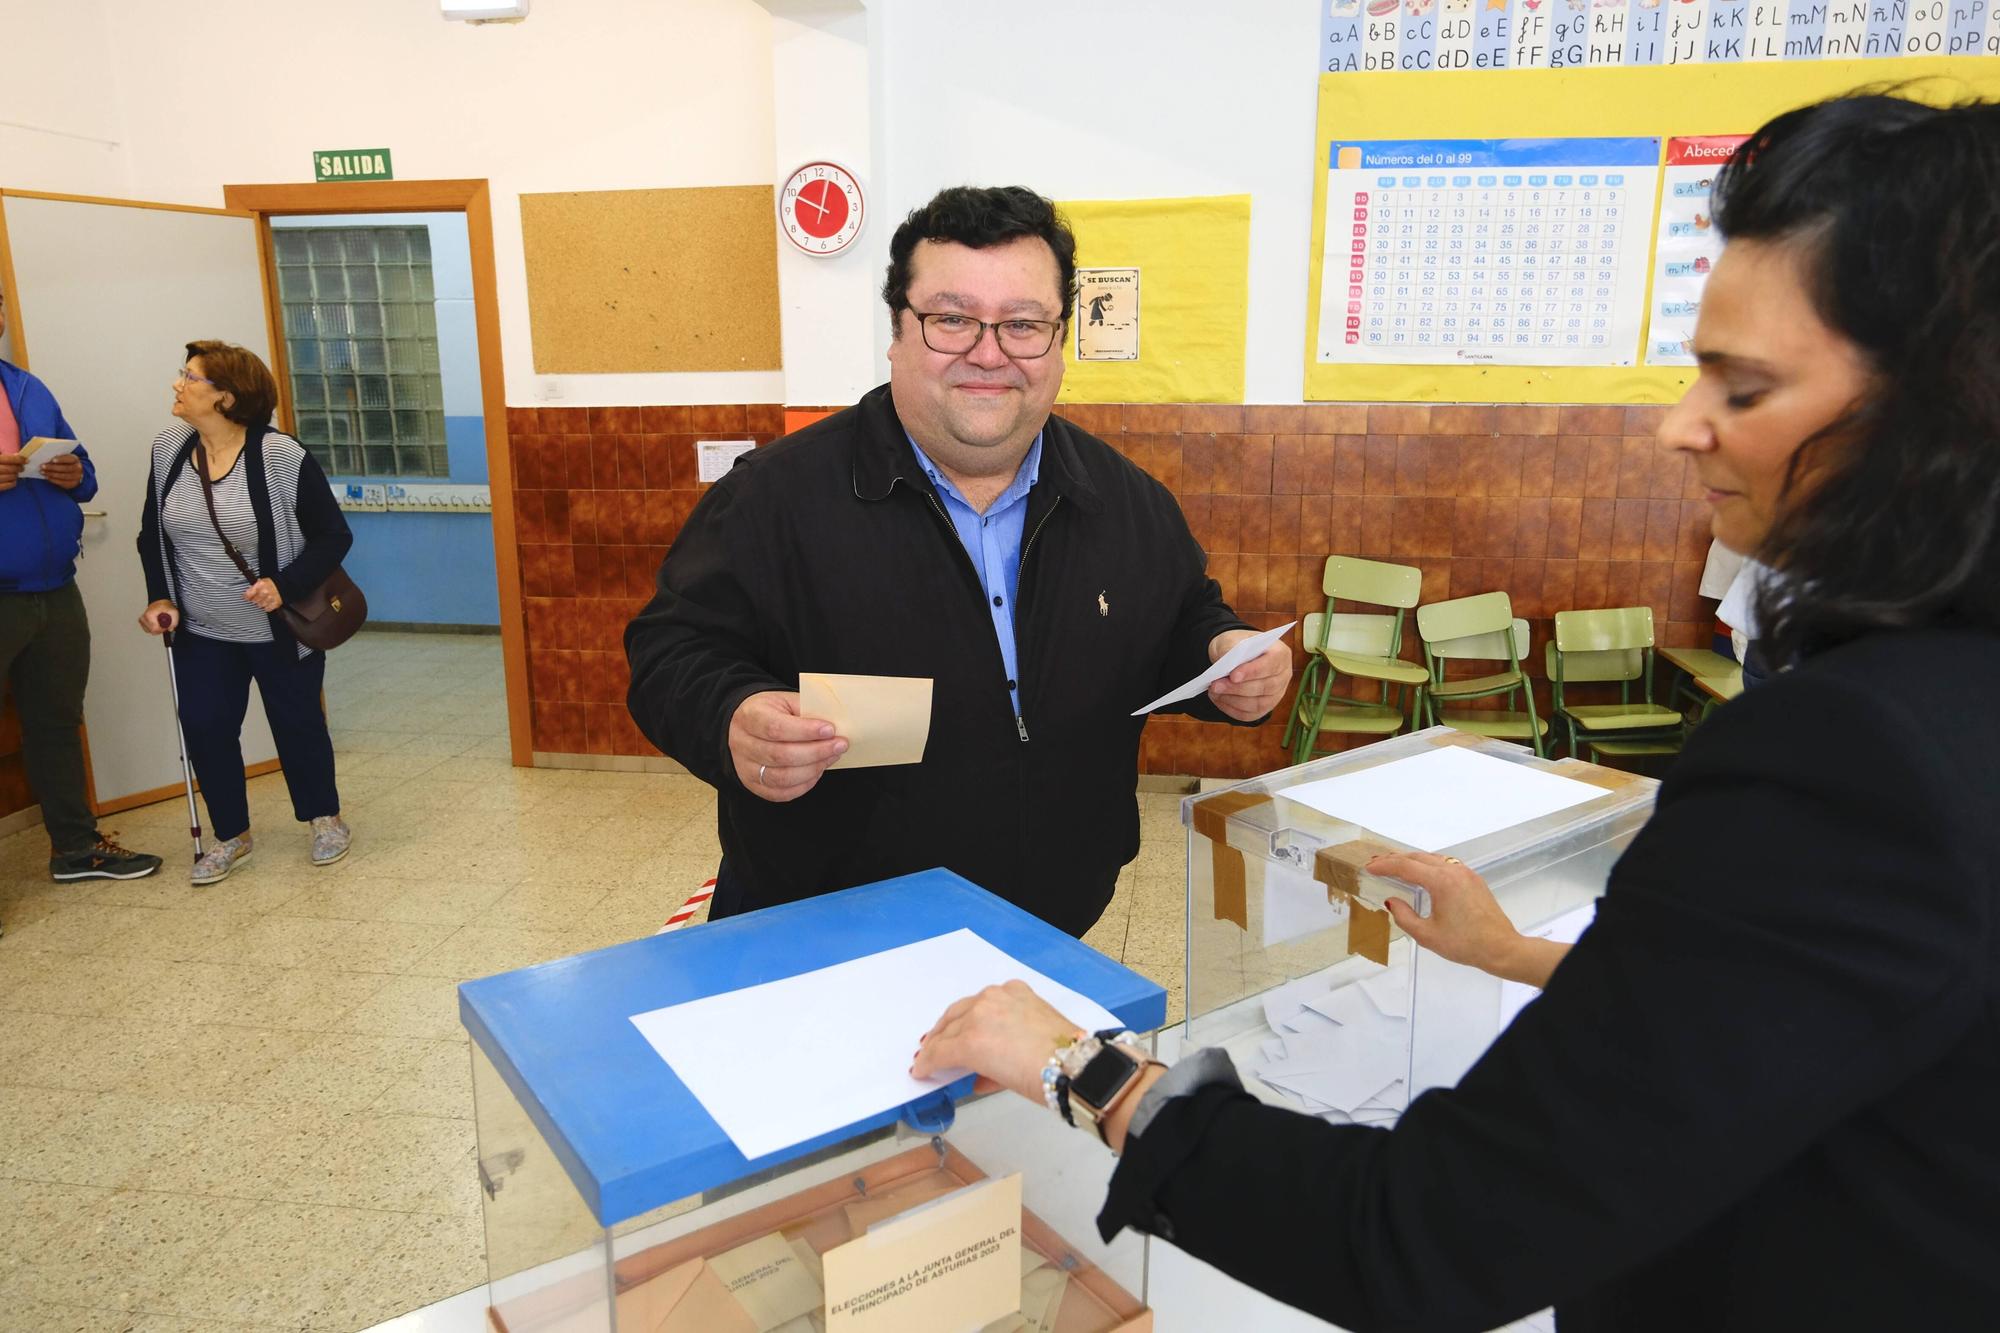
{"points": [[1688, 244], [1524, 252], [1360, 36]]}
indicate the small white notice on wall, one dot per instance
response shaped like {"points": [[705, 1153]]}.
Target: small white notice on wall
{"points": [[1107, 314], [716, 457]]}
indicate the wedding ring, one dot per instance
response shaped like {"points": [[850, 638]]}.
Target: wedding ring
{"points": [[760, 774], [1453, 861]]}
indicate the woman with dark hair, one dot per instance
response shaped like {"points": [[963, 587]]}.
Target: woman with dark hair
{"points": [[241, 521], [1761, 1092]]}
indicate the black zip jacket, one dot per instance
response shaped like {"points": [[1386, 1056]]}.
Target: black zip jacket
{"points": [[829, 551]]}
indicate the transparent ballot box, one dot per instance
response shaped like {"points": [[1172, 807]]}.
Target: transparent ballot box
{"points": [[614, 1201], [1295, 966]]}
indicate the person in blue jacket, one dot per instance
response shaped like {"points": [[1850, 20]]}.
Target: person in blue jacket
{"points": [[44, 636]]}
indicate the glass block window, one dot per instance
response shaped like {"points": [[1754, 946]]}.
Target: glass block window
{"points": [[361, 335]]}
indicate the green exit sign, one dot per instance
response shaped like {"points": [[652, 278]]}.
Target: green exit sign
{"points": [[352, 164]]}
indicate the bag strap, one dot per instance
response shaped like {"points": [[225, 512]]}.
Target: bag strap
{"points": [[208, 498]]}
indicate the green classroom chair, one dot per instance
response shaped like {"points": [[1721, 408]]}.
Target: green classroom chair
{"points": [[1362, 646], [1702, 678], [1602, 647], [1480, 629]]}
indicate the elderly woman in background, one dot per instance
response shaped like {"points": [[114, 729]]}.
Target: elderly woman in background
{"points": [[1760, 1092], [226, 488]]}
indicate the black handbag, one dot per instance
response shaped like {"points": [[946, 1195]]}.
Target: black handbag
{"points": [[324, 618]]}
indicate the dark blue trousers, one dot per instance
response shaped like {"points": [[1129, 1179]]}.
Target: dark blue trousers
{"points": [[215, 695]]}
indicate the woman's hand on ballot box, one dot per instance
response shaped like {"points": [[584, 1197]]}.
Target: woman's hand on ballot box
{"points": [[1006, 1034], [1466, 924]]}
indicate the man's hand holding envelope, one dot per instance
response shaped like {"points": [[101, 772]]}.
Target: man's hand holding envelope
{"points": [[781, 742]]}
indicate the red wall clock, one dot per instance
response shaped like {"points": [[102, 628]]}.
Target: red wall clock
{"points": [[820, 208]]}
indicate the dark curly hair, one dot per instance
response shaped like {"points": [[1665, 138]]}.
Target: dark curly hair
{"points": [[979, 216], [1894, 206]]}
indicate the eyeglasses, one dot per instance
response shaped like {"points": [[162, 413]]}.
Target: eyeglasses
{"points": [[188, 376], [955, 335]]}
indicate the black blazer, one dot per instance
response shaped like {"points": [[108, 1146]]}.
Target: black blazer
{"points": [[1762, 1093], [829, 551]]}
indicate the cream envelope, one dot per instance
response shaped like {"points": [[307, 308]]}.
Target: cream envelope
{"points": [[688, 1299], [884, 719], [768, 1280]]}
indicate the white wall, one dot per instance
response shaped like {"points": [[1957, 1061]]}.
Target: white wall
{"points": [[1107, 99], [60, 124], [583, 95], [1113, 99]]}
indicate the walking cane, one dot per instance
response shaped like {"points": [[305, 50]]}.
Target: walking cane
{"points": [[187, 771]]}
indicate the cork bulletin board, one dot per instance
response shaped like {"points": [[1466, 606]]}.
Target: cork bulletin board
{"points": [[627, 281]]}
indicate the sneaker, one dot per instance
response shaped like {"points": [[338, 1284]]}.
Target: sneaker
{"points": [[331, 839], [103, 860], [216, 863]]}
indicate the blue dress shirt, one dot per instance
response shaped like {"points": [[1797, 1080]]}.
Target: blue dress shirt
{"points": [[993, 540]]}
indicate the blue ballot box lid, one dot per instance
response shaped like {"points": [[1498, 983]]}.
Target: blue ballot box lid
{"points": [[630, 1134]]}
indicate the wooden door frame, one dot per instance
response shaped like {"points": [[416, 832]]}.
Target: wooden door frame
{"points": [[7, 287], [470, 197]]}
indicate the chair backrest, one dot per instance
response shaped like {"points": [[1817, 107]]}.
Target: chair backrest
{"points": [[1463, 617], [1376, 582], [1604, 631], [1620, 664], [1489, 647], [1351, 632]]}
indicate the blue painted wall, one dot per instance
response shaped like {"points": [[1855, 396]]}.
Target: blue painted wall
{"points": [[433, 569]]}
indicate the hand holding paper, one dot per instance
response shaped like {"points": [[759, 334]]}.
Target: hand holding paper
{"points": [[40, 451], [1245, 650], [883, 719]]}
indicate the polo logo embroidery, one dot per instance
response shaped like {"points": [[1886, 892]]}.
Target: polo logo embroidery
{"points": [[1103, 607]]}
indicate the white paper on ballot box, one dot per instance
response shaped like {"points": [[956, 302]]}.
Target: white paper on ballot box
{"points": [[1442, 799], [786, 1061]]}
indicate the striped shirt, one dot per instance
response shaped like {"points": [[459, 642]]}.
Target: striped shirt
{"points": [[208, 588]]}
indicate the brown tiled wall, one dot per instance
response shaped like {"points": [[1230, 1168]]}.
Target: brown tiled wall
{"points": [[599, 494], [1558, 507]]}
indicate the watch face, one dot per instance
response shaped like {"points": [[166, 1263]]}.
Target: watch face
{"points": [[820, 208], [1099, 1081]]}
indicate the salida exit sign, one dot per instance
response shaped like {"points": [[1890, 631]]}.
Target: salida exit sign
{"points": [[352, 164]]}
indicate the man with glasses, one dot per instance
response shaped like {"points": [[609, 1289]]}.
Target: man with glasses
{"points": [[949, 527], [44, 636]]}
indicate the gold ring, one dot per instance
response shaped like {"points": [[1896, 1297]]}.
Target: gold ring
{"points": [[1453, 861]]}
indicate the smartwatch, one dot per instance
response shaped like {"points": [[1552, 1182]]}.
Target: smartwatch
{"points": [[1101, 1071]]}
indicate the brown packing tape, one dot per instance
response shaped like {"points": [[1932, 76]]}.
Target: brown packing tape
{"points": [[1339, 866], [1596, 775], [1458, 738], [1232, 889], [1211, 821], [1368, 933]]}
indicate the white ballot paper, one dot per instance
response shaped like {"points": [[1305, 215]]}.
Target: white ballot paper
{"points": [[40, 450], [779, 1063], [1224, 664], [1442, 799]]}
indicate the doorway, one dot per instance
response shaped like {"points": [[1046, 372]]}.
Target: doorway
{"points": [[375, 420]]}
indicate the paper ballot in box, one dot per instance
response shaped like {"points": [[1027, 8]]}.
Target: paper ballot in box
{"points": [[623, 1187], [1295, 965]]}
